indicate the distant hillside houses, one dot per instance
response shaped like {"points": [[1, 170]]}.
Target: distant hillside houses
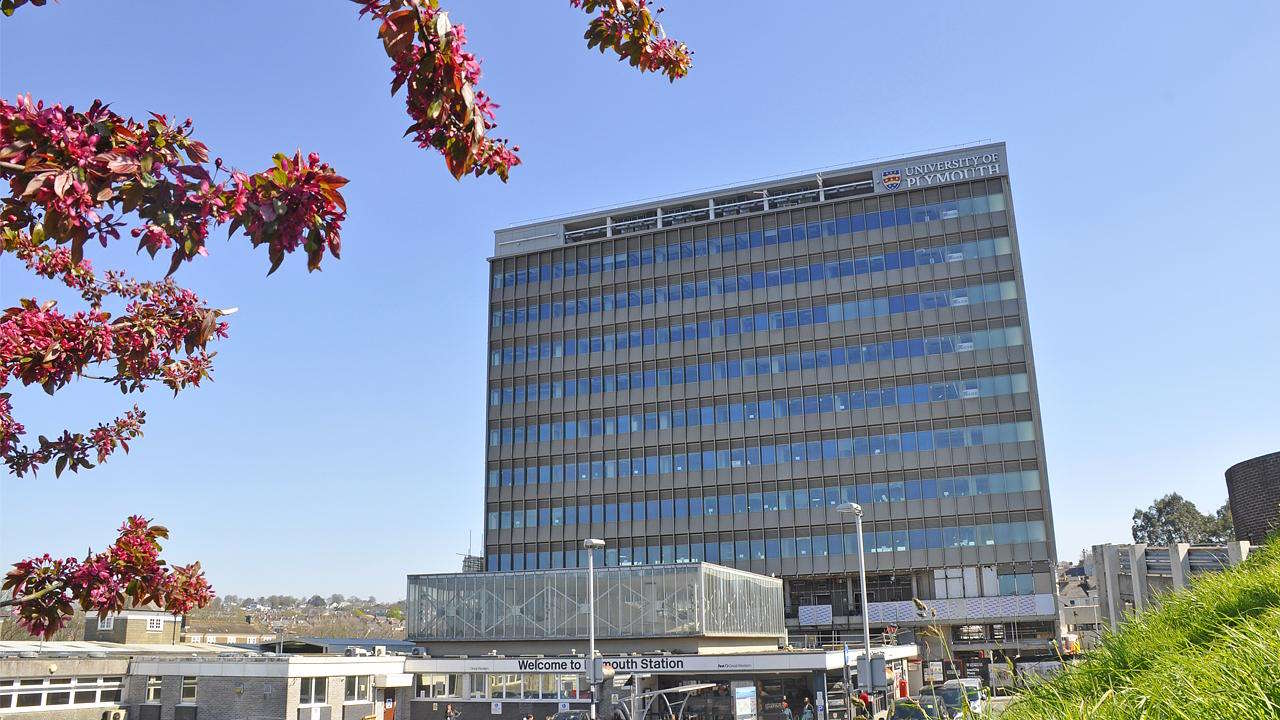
{"points": [[226, 632]]}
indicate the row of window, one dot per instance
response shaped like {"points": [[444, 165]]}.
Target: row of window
{"points": [[356, 688], [784, 453], [740, 553], [697, 503], [59, 691], [735, 366], [972, 582], [1018, 584], [155, 688], [936, 584], [726, 413], [743, 239], [534, 686], [760, 279], [154, 624], [565, 345]]}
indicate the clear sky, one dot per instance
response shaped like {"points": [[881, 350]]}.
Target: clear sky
{"points": [[341, 445]]}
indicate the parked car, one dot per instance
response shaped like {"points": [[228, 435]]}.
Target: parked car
{"points": [[952, 699], [933, 707], [908, 710], [973, 690]]}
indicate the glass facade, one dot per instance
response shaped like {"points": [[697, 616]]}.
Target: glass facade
{"points": [[707, 380], [634, 602]]}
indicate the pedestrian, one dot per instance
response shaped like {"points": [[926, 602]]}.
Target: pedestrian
{"points": [[786, 711], [807, 713]]}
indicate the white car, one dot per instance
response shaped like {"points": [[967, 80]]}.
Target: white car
{"points": [[974, 692]]}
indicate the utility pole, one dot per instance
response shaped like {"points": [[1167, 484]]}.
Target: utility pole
{"points": [[595, 675]]}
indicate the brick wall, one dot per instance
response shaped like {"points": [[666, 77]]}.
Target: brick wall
{"points": [[1253, 487], [217, 698]]}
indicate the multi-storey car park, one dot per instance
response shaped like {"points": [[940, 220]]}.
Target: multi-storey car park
{"points": [[706, 378]]}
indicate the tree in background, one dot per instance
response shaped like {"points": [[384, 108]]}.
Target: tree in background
{"points": [[336, 598], [282, 602], [1222, 528], [1174, 519], [80, 176]]}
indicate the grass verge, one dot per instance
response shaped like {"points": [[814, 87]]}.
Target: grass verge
{"points": [[1211, 652]]}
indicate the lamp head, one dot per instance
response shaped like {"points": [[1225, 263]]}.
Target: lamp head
{"points": [[849, 508], [593, 543]]}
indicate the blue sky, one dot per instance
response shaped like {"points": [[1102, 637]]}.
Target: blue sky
{"points": [[341, 445]]}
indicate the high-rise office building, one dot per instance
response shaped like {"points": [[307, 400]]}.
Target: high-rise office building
{"points": [[709, 377]]}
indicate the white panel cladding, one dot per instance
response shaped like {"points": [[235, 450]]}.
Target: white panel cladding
{"points": [[967, 609], [678, 600]]}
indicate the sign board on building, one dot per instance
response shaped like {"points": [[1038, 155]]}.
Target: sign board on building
{"points": [[654, 664], [937, 170], [564, 706], [933, 672], [815, 614], [744, 701], [495, 707]]}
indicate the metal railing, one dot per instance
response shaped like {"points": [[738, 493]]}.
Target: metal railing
{"points": [[713, 212], [837, 640]]}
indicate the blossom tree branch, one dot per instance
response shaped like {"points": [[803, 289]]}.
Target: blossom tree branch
{"points": [[78, 176], [45, 590], [631, 29], [430, 62]]}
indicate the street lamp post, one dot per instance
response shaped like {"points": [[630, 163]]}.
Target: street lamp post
{"points": [[591, 545], [855, 509]]}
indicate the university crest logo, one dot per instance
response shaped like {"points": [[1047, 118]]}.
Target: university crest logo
{"points": [[891, 179]]}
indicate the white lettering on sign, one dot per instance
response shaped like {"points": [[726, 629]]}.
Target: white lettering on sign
{"points": [[950, 170], [942, 171]]}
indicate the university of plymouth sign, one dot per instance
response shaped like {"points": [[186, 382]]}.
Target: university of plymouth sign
{"points": [[942, 170]]}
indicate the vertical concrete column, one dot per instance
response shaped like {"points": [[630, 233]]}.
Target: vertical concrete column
{"points": [[1178, 564], [1138, 575], [608, 226], [1109, 588], [1238, 551], [659, 217], [819, 685], [711, 208]]}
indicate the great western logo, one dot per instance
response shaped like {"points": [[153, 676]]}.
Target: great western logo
{"points": [[946, 170]]}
